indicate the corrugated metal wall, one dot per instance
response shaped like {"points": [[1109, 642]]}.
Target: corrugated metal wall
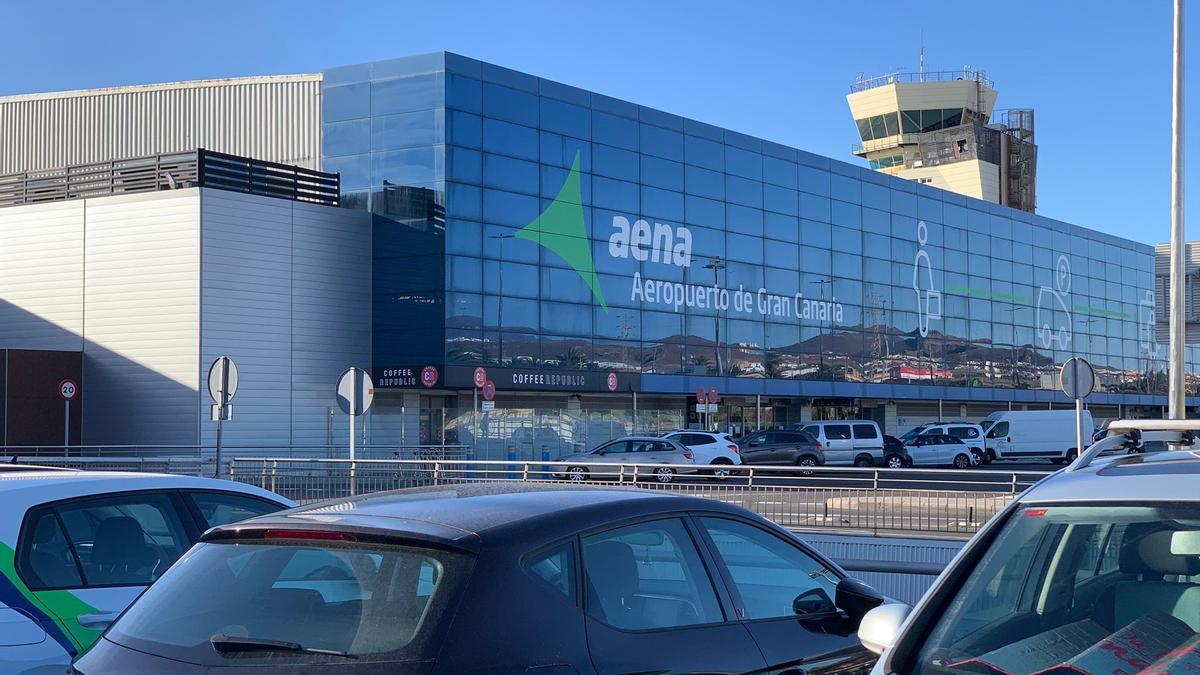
{"points": [[41, 276], [270, 118]]}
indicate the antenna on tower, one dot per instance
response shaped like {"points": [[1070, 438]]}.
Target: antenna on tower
{"points": [[922, 67]]}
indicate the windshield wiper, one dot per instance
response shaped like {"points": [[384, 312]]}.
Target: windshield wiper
{"points": [[226, 644]]}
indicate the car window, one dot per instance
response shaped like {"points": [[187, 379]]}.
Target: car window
{"points": [[812, 430], [1033, 587], [998, 430], [836, 432], [126, 540], [659, 446], [44, 558], [964, 432], [792, 437], [773, 577], [865, 431], [556, 567], [618, 447], [344, 597], [648, 576], [222, 508]]}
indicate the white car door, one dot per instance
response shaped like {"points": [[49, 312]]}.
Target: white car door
{"points": [[998, 439], [839, 445]]}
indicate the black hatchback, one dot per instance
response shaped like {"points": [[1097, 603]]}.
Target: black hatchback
{"points": [[496, 578]]}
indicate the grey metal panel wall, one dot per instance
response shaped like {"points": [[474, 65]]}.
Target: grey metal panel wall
{"points": [[270, 118], [141, 309], [907, 588], [41, 276], [287, 295]]}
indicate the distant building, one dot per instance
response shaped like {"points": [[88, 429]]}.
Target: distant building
{"points": [[1162, 294], [939, 129]]}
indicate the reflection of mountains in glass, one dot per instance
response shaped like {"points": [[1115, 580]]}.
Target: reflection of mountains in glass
{"points": [[417, 207]]}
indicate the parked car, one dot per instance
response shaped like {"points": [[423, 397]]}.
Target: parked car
{"points": [[607, 460], [847, 442], [1034, 434], [584, 580], [709, 448], [940, 450], [76, 547], [1092, 570], [781, 448], [968, 432], [895, 453]]}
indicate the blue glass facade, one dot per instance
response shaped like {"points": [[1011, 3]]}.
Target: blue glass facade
{"points": [[525, 225]]}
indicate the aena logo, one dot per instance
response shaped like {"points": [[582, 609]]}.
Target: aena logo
{"points": [[666, 245]]}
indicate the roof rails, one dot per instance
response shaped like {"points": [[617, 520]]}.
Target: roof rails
{"points": [[1131, 433]]}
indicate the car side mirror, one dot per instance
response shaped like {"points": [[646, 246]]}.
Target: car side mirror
{"points": [[753, 443], [813, 601], [856, 598], [881, 626]]}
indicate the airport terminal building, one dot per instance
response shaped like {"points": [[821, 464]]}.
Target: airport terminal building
{"points": [[603, 261]]}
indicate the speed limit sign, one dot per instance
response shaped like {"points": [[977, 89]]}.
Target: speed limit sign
{"points": [[68, 389]]}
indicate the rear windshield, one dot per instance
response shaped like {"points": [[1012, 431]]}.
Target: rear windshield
{"points": [[1081, 589], [354, 600]]}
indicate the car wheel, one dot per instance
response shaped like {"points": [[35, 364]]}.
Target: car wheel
{"points": [[864, 460], [962, 462], [664, 474], [1072, 455], [724, 468], [989, 456], [806, 465], [895, 462], [577, 474], [977, 455]]}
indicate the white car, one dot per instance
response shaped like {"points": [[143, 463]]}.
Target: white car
{"points": [[1095, 569], [968, 432], [77, 547], [710, 448], [940, 450]]}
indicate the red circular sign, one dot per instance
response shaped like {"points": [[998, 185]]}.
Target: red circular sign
{"points": [[612, 381], [68, 390], [480, 377], [712, 396], [489, 390], [699, 394], [429, 376]]}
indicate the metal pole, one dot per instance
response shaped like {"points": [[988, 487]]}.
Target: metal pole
{"points": [[635, 427], [474, 421], [1177, 365], [1079, 426], [757, 412], [66, 427], [353, 408], [217, 468]]}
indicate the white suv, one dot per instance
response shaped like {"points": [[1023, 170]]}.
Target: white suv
{"points": [[1095, 569], [710, 449]]}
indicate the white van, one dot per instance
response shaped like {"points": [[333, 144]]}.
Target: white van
{"points": [[847, 442], [1034, 434]]}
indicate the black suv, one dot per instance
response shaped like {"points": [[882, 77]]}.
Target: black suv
{"points": [[781, 448]]}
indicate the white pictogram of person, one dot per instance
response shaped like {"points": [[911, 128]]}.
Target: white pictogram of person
{"points": [[929, 298], [1051, 305]]}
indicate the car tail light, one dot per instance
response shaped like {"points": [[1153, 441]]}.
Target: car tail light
{"points": [[322, 535], [688, 455], [733, 449], [819, 446]]}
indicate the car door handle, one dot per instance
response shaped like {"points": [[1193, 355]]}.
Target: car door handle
{"points": [[97, 621]]}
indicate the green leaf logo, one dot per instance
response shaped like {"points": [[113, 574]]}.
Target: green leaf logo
{"points": [[560, 228]]}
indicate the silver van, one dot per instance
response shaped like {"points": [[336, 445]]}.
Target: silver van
{"points": [[847, 442]]}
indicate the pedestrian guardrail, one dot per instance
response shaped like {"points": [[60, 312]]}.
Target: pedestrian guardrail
{"points": [[955, 502]]}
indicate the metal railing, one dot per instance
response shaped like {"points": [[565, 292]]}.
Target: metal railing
{"points": [[197, 168], [926, 76], [846, 499], [365, 451]]}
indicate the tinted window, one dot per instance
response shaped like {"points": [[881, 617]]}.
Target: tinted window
{"points": [[221, 508], [773, 577], [556, 567], [648, 576], [999, 430], [45, 559], [865, 431], [128, 540], [964, 432], [357, 599], [837, 431], [615, 448]]}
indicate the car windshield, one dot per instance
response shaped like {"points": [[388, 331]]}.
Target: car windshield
{"points": [[1084, 589], [912, 433], [294, 602]]}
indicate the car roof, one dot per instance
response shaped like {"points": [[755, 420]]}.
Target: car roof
{"points": [[1155, 476], [465, 515], [19, 488]]}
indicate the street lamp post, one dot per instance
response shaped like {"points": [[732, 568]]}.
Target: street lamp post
{"points": [[1175, 369], [716, 265]]}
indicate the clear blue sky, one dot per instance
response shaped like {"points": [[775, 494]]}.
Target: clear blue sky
{"points": [[1097, 73]]}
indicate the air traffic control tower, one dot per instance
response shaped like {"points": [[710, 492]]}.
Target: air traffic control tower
{"points": [[940, 128]]}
